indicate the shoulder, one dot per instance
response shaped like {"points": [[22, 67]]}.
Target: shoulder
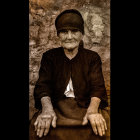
{"points": [[90, 53], [92, 57], [52, 52]]}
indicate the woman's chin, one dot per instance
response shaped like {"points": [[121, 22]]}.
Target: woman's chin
{"points": [[70, 46]]}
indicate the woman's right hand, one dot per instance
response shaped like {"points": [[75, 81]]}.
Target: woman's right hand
{"points": [[43, 122]]}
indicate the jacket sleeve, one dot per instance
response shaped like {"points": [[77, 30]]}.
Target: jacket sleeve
{"points": [[43, 85], [97, 84]]}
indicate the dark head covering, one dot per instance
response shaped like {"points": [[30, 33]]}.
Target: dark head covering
{"points": [[69, 19]]}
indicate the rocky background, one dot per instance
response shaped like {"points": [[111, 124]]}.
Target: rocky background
{"points": [[42, 34]]}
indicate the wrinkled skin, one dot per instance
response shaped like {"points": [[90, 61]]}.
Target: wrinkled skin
{"points": [[43, 123], [70, 39], [97, 122]]}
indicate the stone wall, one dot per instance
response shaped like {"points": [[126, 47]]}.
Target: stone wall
{"points": [[42, 33]]}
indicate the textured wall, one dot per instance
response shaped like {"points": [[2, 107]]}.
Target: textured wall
{"points": [[42, 33]]}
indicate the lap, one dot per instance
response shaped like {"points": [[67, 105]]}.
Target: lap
{"points": [[70, 128]]}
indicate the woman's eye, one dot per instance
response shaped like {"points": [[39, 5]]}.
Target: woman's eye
{"points": [[64, 31], [74, 30]]}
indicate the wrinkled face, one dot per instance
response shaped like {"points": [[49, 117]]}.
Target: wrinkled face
{"points": [[70, 39]]}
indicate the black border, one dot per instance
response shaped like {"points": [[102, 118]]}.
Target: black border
{"points": [[15, 70], [124, 70]]}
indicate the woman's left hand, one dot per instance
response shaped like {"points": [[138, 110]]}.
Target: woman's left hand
{"points": [[97, 122]]}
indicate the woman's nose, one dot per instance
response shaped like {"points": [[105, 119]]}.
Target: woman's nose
{"points": [[69, 35]]}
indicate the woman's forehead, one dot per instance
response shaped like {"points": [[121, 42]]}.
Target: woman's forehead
{"points": [[72, 30]]}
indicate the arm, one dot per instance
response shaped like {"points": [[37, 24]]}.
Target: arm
{"points": [[94, 105], [43, 85], [97, 84], [46, 104], [98, 94], [42, 96]]}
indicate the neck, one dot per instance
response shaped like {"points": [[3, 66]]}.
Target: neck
{"points": [[71, 53]]}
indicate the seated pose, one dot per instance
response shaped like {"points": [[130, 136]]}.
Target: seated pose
{"points": [[70, 92]]}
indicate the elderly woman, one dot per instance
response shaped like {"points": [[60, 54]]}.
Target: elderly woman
{"points": [[70, 92]]}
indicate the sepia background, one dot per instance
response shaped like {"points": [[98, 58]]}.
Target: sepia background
{"points": [[42, 34]]}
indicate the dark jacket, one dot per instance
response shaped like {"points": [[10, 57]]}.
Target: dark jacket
{"points": [[84, 69]]}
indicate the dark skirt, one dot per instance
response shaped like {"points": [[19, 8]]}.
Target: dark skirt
{"points": [[69, 120]]}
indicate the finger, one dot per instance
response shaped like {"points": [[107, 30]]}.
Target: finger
{"points": [[93, 124], [41, 132], [42, 129], [85, 120], [35, 124], [54, 121], [38, 127], [102, 126], [47, 127], [104, 123], [98, 127], [37, 131]]}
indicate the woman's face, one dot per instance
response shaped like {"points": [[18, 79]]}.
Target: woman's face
{"points": [[70, 39]]}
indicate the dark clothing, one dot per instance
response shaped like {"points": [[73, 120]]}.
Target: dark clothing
{"points": [[84, 69], [86, 74]]}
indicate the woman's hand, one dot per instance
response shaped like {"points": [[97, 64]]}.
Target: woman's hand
{"points": [[43, 122], [97, 122], [96, 119], [46, 118]]}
